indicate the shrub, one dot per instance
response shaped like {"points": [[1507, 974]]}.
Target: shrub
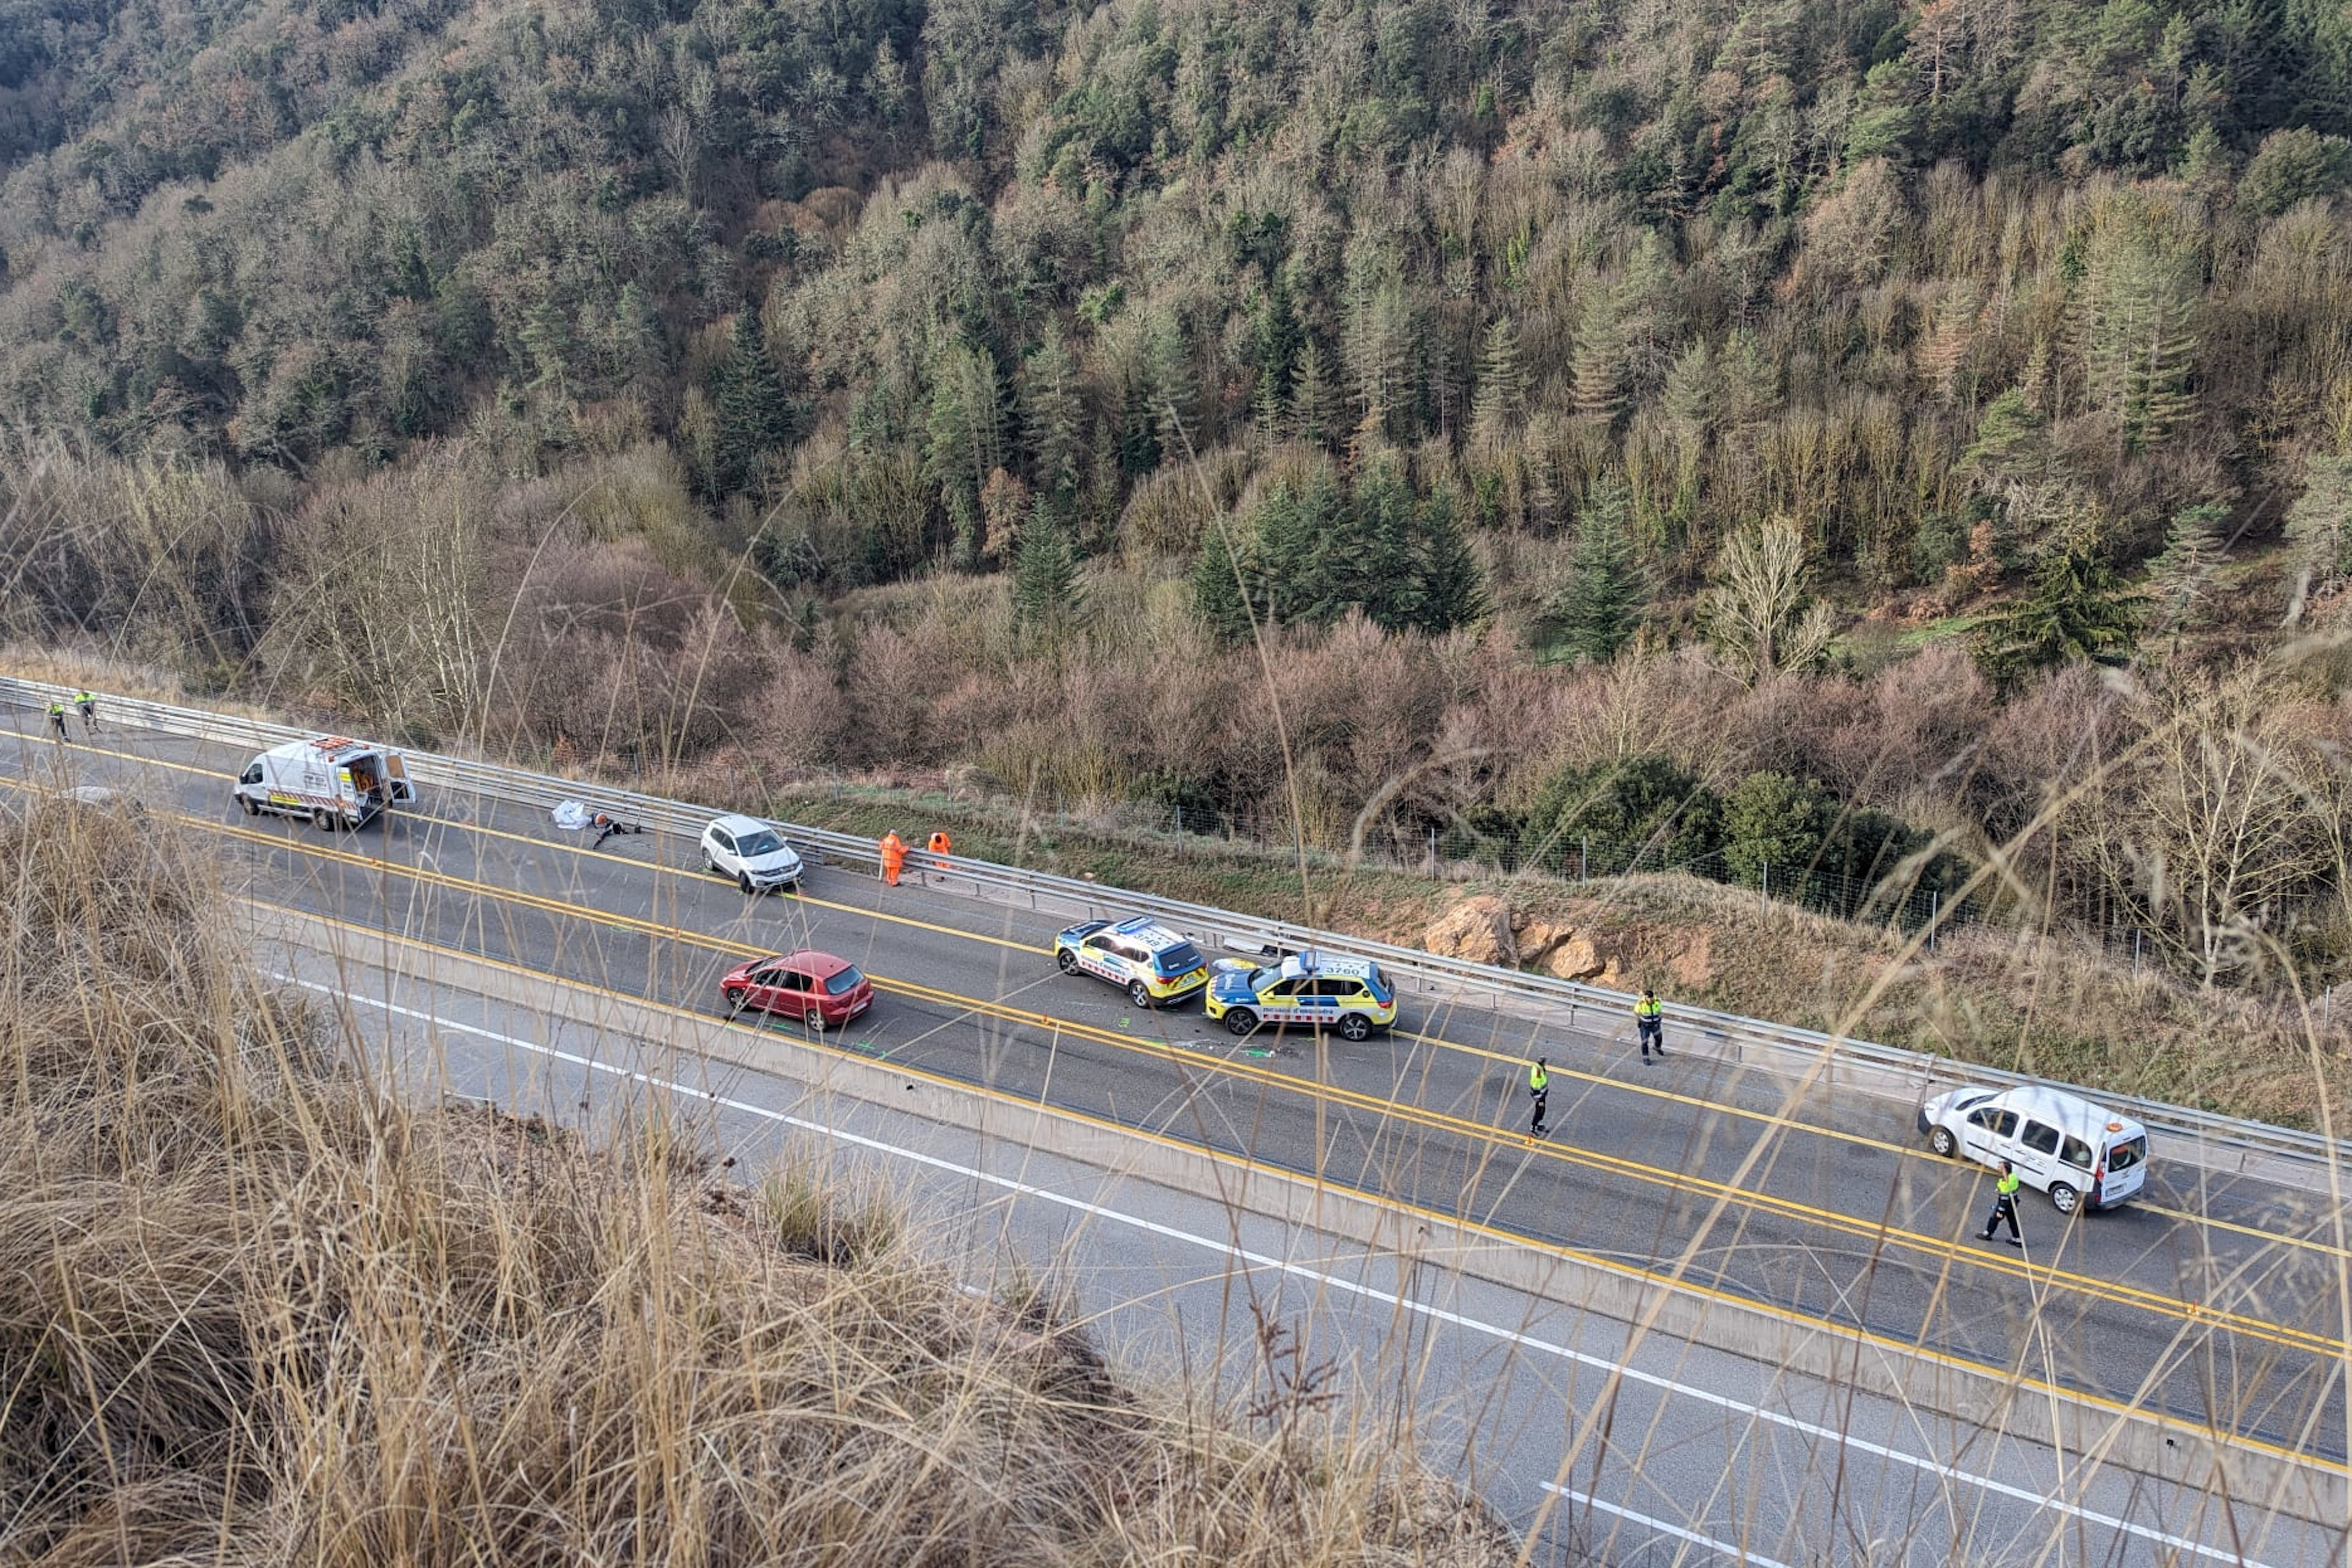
{"points": [[1643, 811]]}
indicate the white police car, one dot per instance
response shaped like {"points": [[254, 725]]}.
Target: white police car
{"points": [[1153, 963], [1323, 991]]}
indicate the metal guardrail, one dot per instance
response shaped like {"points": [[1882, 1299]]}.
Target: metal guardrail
{"points": [[1855, 1064]]}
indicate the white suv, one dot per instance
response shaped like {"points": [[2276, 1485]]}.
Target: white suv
{"points": [[754, 854]]}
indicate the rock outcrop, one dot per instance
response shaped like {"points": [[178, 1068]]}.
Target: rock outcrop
{"points": [[1476, 930]]}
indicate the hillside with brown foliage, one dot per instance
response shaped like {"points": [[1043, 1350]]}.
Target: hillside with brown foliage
{"points": [[1898, 454]]}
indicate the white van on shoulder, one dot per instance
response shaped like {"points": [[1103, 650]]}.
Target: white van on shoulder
{"points": [[2061, 1143], [333, 782]]}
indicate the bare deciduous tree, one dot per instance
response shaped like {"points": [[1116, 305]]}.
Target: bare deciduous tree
{"points": [[1759, 612]]}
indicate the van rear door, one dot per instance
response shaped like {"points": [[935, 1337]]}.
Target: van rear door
{"points": [[395, 769], [2125, 1166]]}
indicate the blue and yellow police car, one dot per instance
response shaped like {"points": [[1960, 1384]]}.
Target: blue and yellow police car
{"points": [[1322, 991], [1153, 963]]}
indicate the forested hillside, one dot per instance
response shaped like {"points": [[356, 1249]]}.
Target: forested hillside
{"points": [[872, 384]]}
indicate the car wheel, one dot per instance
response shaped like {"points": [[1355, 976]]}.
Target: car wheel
{"points": [[1136, 993], [815, 1020], [1067, 960], [320, 820], [709, 866], [1942, 1141], [743, 880], [734, 1002], [1240, 1021], [251, 807], [1355, 1026], [2064, 1198]]}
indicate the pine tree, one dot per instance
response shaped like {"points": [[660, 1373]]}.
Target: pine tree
{"points": [[755, 412], [1377, 343], [2011, 441], [1139, 428], [1499, 408], [964, 432], [1452, 593], [1047, 599], [1274, 335], [1168, 363], [2319, 526], [1384, 560], [2139, 310], [2073, 610], [1314, 402], [636, 351], [1221, 592], [2180, 578], [1306, 549], [1052, 417], [1599, 360], [1603, 604]]}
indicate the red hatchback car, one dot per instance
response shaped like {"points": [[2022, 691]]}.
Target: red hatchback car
{"points": [[819, 990]]}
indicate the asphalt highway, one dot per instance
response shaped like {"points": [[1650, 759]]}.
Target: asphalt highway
{"points": [[1600, 1444], [2218, 1302]]}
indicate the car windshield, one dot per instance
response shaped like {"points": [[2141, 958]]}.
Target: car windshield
{"points": [[1181, 959], [761, 843], [2124, 1155], [843, 983]]}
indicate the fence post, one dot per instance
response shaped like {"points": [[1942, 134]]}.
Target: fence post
{"points": [[1583, 852], [1768, 882], [2135, 953], [1935, 902]]}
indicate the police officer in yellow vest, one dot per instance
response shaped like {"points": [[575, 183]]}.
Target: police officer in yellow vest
{"points": [[1539, 1090], [2004, 1206], [1649, 1024], [58, 722], [87, 704]]}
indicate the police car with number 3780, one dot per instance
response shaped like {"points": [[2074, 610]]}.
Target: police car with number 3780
{"points": [[1153, 964], [1322, 991]]}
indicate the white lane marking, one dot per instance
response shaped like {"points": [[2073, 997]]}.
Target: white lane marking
{"points": [[1934, 1467], [1720, 1548]]}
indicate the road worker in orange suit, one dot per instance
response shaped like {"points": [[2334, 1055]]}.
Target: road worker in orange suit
{"points": [[941, 846], [894, 857]]}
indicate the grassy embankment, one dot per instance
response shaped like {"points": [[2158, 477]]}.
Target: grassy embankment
{"points": [[255, 1310]]}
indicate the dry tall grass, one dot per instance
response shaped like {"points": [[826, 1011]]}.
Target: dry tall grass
{"points": [[254, 1309]]}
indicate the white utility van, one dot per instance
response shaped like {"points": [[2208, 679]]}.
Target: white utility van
{"points": [[2076, 1152], [331, 781]]}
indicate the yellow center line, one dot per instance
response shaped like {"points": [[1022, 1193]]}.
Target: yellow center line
{"points": [[1383, 1108], [1775, 1119], [1659, 1279]]}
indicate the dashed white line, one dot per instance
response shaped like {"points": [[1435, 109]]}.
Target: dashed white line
{"points": [[1934, 1467]]}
